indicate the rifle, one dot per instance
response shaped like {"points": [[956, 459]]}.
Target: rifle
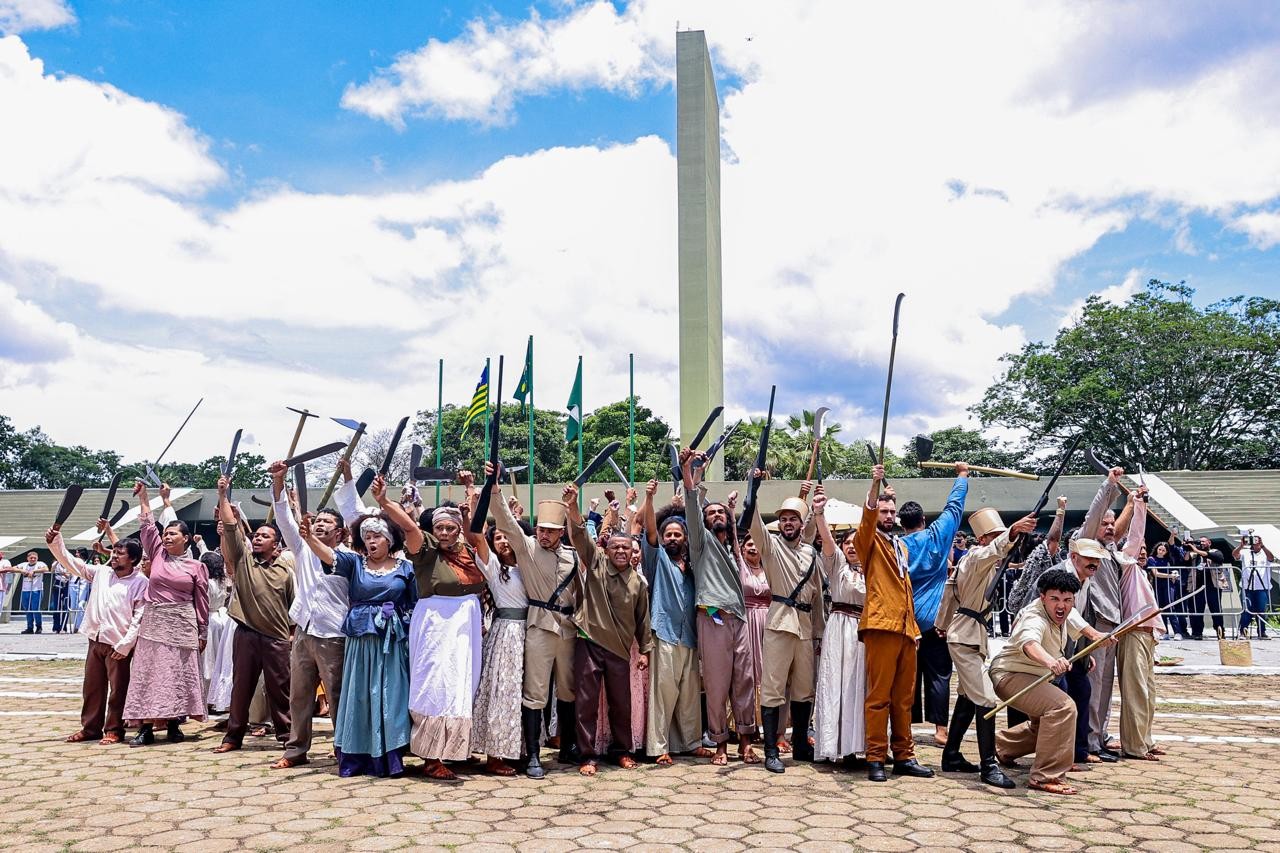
{"points": [[753, 484]]}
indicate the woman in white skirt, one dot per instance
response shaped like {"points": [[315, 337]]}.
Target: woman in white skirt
{"points": [[495, 726], [216, 659], [839, 717], [445, 633]]}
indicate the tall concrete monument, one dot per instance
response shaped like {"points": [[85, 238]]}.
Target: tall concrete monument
{"points": [[698, 199]]}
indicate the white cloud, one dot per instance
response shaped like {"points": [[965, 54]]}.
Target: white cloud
{"points": [[18, 16], [1116, 294], [953, 174], [1262, 228]]}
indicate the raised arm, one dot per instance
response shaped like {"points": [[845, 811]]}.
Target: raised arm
{"points": [[147, 533], [819, 515], [1102, 502], [1054, 537], [168, 514], [1136, 532], [942, 532], [647, 513], [578, 527], [505, 520], [285, 520], [233, 538], [413, 537], [866, 531], [72, 564]]}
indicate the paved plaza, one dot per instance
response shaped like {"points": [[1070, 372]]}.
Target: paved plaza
{"points": [[1216, 790]]}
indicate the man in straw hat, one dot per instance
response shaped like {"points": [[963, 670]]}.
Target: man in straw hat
{"points": [[889, 632], [791, 567], [547, 568], [962, 619]]}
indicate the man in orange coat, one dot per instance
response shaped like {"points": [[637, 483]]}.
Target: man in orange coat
{"points": [[888, 629]]}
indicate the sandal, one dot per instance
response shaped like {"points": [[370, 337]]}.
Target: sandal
{"points": [[1092, 759], [784, 745], [498, 767], [110, 739], [435, 769], [78, 737], [1079, 768], [748, 756], [287, 763], [702, 752], [1146, 756], [1053, 787], [1155, 750], [664, 760], [720, 759]]}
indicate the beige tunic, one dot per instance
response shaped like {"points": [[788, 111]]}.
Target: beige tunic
{"points": [[966, 636], [784, 565], [1034, 626], [541, 570]]}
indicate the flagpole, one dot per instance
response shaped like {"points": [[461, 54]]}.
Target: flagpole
{"points": [[486, 408], [529, 364], [439, 427], [631, 421], [582, 417]]}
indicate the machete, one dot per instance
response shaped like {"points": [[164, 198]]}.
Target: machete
{"points": [[717, 444], [676, 476], [365, 480], [622, 478], [229, 469], [597, 463], [391, 448], [300, 487], [111, 495], [314, 453], [151, 474], [69, 500], [706, 426], [753, 483]]}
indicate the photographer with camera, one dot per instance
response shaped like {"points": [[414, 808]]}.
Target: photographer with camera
{"points": [[1255, 581]]}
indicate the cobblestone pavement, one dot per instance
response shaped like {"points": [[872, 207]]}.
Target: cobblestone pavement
{"points": [[1216, 790]]}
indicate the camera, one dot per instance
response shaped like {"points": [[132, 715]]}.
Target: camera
{"points": [[1248, 539]]}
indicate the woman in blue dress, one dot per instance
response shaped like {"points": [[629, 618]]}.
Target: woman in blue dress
{"points": [[371, 733]]}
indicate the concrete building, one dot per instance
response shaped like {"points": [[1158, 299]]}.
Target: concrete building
{"points": [[698, 194]]}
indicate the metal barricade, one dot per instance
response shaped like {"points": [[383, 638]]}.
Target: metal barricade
{"points": [[56, 606]]}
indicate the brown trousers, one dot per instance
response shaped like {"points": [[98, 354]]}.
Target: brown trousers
{"points": [[728, 677], [102, 673], [1050, 733], [314, 661], [254, 654], [596, 667], [891, 684]]}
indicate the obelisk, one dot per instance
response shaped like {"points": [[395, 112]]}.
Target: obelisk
{"points": [[698, 201]]}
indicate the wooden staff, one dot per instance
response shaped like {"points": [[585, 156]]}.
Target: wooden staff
{"points": [[1120, 630], [303, 414]]}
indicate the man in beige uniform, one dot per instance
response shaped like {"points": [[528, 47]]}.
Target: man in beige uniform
{"points": [[1035, 648], [547, 568], [790, 566], [962, 619]]}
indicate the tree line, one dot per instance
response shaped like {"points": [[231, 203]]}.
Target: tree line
{"points": [[1156, 380]]}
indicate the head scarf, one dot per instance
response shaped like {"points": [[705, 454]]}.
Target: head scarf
{"points": [[374, 526], [452, 513]]}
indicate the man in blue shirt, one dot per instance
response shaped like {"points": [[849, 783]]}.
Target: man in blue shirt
{"points": [[928, 549], [675, 686]]}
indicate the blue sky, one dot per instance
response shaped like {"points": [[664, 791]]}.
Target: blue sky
{"points": [[283, 194]]}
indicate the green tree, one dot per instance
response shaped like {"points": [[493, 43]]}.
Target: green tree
{"points": [[1157, 381], [610, 423], [250, 473], [957, 444], [31, 460], [790, 446], [467, 451]]}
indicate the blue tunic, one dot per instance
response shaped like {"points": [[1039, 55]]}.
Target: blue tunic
{"points": [[672, 597], [927, 552], [372, 730]]}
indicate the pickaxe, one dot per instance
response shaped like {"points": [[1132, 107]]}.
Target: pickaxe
{"points": [[924, 453], [303, 414]]}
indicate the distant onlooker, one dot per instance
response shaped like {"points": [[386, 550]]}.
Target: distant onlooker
{"points": [[1168, 583], [32, 591], [7, 571], [1255, 581]]}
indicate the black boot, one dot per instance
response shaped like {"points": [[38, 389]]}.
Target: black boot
{"points": [[144, 737], [174, 732], [952, 760], [875, 771], [531, 727], [769, 720], [801, 749], [567, 728], [991, 772]]}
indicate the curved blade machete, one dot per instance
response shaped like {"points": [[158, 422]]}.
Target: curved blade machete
{"points": [[314, 453], [300, 487], [69, 500], [597, 463], [111, 494], [391, 448], [706, 427], [365, 480]]}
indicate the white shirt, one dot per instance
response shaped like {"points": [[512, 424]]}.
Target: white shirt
{"points": [[114, 609], [1255, 570], [34, 583], [320, 601], [5, 577]]}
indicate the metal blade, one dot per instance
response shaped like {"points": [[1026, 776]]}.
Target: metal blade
{"points": [[597, 463], [706, 426], [304, 412], [516, 470], [348, 423], [924, 448], [365, 480], [153, 477], [717, 445], [314, 453], [1091, 456], [300, 487], [69, 500], [1142, 476], [230, 466], [622, 478], [819, 421], [260, 501], [673, 451], [435, 475], [178, 433], [391, 448], [415, 456], [120, 513], [111, 494]]}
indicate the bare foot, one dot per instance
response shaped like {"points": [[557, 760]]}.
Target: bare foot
{"points": [[784, 745], [748, 755], [587, 769], [721, 757], [940, 735], [664, 760], [626, 762]]}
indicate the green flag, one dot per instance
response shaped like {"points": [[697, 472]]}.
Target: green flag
{"points": [[525, 387], [574, 427], [479, 400]]}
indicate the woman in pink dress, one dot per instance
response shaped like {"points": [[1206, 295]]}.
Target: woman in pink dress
{"points": [[165, 680]]}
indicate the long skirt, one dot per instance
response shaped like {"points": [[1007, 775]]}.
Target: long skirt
{"points": [[757, 618], [839, 716], [445, 651], [165, 679], [495, 729], [217, 659], [371, 732], [639, 709]]}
